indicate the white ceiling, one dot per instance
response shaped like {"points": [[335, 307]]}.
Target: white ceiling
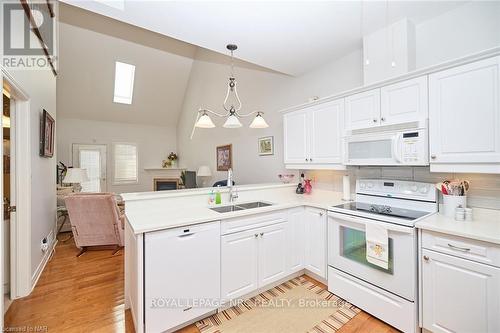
{"points": [[289, 37]]}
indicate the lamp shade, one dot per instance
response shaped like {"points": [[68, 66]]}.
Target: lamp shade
{"points": [[232, 122], [205, 122], [76, 176], [204, 171], [259, 122]]}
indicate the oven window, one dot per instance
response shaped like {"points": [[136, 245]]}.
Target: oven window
{"points": [[353, 247], [363, 150]]}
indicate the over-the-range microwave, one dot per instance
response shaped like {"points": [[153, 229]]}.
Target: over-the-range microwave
{"points": [[400, 146]]}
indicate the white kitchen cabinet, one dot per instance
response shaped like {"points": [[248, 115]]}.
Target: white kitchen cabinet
{"points": [[315, 241], [389, 52], [363, 110], [296, 238], [239, 264], [296, 142], [404, 102], [312, 136], [272, 253], [464, 118], [459, 295], [180, 264]]}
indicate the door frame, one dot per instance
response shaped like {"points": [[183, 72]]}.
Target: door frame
{"points": [[20, 230]]}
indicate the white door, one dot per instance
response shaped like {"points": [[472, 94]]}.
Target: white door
{"points": [[459, 295], [272, 253], [363, 110], [464, 113], [315, 241], [404, 102], [180, 265], [326, 131], [296, 232], [296, 137], [239, 264], [93, 159]]}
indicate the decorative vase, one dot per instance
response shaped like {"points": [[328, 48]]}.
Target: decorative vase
{"points": [[173, 164]]}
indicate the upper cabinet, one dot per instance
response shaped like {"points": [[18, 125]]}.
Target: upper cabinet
{"points": [[389, 52], [313, 136], [363, 110], [464, 118], [398, 103]]}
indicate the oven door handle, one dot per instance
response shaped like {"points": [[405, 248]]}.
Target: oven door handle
{"points": [[365, 221]]}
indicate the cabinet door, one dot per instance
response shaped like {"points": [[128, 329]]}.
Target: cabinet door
{"points": [[296, 137], [272, 253], [296, 232], [363, 110], [326, 131], [180, 264], [404, 102], [459, 295], [315, 225], [464, 113], [239, 263]]}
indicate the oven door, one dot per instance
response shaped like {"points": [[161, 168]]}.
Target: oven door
{"points": [[373, 149], [347, 252]]}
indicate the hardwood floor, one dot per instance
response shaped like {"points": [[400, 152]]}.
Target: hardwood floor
{"points": [[86, 295]]}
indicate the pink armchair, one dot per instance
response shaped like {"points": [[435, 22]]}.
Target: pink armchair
{"points": [[95, 220]]}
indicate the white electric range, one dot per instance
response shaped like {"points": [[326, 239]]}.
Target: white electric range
{"points": [[389, 294]]}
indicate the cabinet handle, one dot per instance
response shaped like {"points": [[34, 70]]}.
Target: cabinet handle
{"points": [[320, 214], [382, 119], [261, 234], [375, 120], [458, 248], [186, 235], [307, 159], [433, 157], [256, 235], [426, 258], [310, 160], [187, 309]]}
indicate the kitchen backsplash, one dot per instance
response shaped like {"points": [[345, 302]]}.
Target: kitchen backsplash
{"points": [[484, 191]]}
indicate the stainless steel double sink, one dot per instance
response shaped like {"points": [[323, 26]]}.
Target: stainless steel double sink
{"points": [[242, 206]]}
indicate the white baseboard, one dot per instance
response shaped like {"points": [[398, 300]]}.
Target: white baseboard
{"points": [[41, 266]]}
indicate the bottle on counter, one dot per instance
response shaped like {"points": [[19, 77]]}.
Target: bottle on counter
{"points": [[218, 199], [211, 197]]}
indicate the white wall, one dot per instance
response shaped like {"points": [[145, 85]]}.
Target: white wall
{"points": [[154, 144]]}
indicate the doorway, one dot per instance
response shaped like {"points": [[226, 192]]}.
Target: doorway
{"points": [[91, 157]]}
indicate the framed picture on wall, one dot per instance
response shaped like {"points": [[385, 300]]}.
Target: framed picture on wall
{"points": [[266, 146], [224, 157], [47, 132]]}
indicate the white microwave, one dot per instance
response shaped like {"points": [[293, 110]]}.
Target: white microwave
{"points": [[400, 147]]}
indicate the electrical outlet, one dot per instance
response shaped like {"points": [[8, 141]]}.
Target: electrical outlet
{"points": [[45, 245]]}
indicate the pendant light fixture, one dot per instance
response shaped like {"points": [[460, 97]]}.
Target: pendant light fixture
{"points": [[232, 109]]}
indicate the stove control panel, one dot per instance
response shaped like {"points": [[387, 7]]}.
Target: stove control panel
{"points": [[397, 189]]}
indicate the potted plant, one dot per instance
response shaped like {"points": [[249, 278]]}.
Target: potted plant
{"points": [[172, 157]]}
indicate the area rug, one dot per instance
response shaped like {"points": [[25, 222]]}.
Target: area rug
{"points": [[297, 305]]}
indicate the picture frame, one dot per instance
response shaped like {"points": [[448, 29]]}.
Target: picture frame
{"points": [[266, 146], [47, 133], [224, 157]]}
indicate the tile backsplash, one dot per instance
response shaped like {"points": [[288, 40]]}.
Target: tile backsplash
{"points": [[484, 191]]}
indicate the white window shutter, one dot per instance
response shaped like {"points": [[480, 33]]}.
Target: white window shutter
{"points": [[125, 155]]}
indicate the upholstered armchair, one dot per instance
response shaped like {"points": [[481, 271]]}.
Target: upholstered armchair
{"points": [[95, 220]]}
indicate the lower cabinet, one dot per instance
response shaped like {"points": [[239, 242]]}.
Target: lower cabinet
{"points": [[315, 241], [252, 259], [459, 295], [181, 268], [296, 237]]}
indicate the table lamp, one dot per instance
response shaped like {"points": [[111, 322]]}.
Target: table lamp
{"points": [[204, 172], [76, 176]]}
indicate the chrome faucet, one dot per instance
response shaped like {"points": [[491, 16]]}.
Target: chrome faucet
{"points": [[233, 194]]}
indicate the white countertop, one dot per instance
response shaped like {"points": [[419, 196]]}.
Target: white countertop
{"points": [[484, 227], [169, 216]]}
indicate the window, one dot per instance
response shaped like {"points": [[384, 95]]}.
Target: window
{"points": [[90, 160], [124, 83], [125, 163]]}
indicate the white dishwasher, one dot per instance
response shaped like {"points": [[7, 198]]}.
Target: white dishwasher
{"points": [[181, 275]]}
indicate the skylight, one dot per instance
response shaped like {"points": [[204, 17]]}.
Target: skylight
{"points": [[124, 83]]}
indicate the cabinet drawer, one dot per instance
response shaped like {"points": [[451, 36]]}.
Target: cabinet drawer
{"points": [[254, 221], [471, 249]]}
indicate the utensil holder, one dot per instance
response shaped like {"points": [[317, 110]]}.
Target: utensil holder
{"points": [[451, 202]]}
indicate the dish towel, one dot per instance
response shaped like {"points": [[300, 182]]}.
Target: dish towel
{"points": [[377, 245]]}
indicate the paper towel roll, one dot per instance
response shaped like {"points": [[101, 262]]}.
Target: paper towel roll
{"points": [[346, 188]]}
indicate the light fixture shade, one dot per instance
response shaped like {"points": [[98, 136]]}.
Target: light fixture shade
{"points": [[76, 176], [232, 122], [5, 122], [259, 122], [205, 122], [204, 171]]}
